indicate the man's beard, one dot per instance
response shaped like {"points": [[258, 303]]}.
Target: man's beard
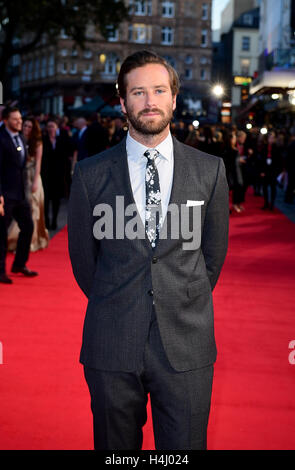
{"points": [[149, 126]]}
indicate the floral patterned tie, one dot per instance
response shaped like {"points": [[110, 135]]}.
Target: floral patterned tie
{"points": [[153, 210]]}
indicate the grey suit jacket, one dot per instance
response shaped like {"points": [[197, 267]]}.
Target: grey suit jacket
{"points": [[124, 278]]}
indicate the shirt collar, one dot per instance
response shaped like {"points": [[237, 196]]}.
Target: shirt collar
{"points": [[135, 149], [12, 134]]}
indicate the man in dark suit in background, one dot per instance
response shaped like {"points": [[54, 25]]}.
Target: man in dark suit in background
{"points": [[97, 136], [57, 152], [149, 323], [80, 140], [13, 203]]}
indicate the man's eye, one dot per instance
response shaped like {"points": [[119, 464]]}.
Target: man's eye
{"points": [[137, 93], [160, 91]]}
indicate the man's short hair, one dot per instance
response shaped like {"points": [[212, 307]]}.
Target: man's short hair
{"points": [[140, 59], [8, 110]]}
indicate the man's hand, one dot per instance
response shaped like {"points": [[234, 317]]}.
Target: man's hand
{"points": [[2, 205]]}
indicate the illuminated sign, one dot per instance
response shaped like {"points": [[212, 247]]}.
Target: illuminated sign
{"points": [[242, 81]]}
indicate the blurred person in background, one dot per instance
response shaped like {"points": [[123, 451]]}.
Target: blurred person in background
{"points": [[192, 137], [80, 141], [13, 201], [97, 140], [271, 166], [218, 143], [242, 167], [253, 161], [57, 152], [34, 188], [290, 169], [181, 131], [230, 155]]}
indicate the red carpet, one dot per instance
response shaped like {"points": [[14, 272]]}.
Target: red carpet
{"points": [[43, 396]]}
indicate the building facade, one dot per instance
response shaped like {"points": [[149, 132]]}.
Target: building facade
{"points": [[233, 10], [274, 87], [235, 59], [245, 56], [54, 78]]}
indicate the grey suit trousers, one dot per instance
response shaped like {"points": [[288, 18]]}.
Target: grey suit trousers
{"points": [[180, 402]]}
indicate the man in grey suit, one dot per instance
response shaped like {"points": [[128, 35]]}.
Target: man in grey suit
{"points": [[149, 277]]}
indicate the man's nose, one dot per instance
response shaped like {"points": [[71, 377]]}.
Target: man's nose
{"points": [[150, 99]]}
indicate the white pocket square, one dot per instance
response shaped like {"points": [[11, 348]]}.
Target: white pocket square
{"points": [[194, 203]]}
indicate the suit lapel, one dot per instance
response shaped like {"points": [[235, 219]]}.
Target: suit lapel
{"points": [[178, 190], [121, 178]]}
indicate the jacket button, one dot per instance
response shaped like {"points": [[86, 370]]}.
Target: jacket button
{"points": [[151, 292], [154, 260]]}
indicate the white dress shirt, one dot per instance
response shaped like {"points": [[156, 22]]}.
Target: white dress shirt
{"points": [[137, 167], [19, 142]]}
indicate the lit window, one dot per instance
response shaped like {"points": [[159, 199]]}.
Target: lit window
{"points": [[203, 74], [245, 67], [140, 33], [188, 59]]}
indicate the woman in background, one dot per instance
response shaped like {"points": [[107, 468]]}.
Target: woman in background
{"points": [[35, 194], [231, 159]]}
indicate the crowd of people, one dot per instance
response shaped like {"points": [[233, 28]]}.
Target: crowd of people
{"points": [[252, 159], [51, 146]]}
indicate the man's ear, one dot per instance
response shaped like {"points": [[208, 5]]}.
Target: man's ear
{"points": [[174, 102], [122, 102]]}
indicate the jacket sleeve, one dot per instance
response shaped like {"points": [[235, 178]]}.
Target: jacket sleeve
{"points": [[215, 229], [83, 248]]}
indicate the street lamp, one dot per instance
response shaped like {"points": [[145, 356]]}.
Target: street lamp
{"points": [[291, 94], [218, 91]]}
